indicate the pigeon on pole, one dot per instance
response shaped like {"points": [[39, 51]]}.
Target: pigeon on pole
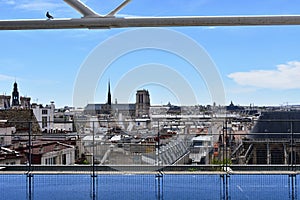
{"points": [[49, 16]]}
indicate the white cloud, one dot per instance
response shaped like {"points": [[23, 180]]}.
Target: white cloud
{"points": [[34, 5], [5, 77], [37, 5], [9, 2], [285, 76]]}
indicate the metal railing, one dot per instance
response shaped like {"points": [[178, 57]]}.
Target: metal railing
{"points": [[231, 155]]}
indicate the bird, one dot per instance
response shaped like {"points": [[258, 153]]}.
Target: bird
{"points": [[49, 16]]}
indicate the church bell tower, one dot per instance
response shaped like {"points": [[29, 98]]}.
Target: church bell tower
{"points": [[15, 95]]}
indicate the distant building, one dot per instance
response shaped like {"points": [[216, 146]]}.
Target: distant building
{"points": [[25, 102], [44, 116], [52, 153], [114, 109], [9, 157], [142, 105], [19, 118], [278, 124], [173, 110], [139, 109], [6, 135], [15, 96], [16, 101], [64, 120], [270, 140], [5, 101], [234, 108]]}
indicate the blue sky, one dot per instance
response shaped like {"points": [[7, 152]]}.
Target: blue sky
{"points": [[258, 65]]}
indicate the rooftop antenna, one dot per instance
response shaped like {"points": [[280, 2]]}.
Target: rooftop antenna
{"points": [[89, 13]]}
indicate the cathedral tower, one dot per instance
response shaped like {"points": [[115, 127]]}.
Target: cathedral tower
{"points": [[142, 105]]}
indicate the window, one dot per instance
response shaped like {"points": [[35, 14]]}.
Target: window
{"points": [[44, 112], [44, 122], [50, 161], [64, 159]]}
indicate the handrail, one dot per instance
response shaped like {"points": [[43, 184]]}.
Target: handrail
{"points": [[173, 21]]}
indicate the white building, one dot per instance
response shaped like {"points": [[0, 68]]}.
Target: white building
{"points": [[44, 116], [202, 145], [53, 153], [63, 121]]}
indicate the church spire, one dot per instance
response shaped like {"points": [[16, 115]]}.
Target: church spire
{"points": [[108, 94]]}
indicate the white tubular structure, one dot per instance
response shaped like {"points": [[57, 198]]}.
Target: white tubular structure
{"points": [[92, 20], [82, 8], [88, 12], [111, 22], [117, 9]]}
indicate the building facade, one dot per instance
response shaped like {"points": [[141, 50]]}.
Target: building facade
{"points": [[275, 139], [139, 109], [5, 101], [25, 102], [142, 105], [53, 153], [45, 116]]}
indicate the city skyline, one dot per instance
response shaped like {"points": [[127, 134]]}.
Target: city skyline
{"points": [[258, 65]]}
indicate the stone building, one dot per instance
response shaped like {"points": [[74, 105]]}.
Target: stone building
{"points": [[25, 102], [4, 102], [22, 119], [140, 109], [9, 157], [142, 105], [275, 139], [52, 153]]}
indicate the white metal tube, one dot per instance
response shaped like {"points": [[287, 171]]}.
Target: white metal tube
{"points": [[94, 23], [117, 9], [82, 8]]}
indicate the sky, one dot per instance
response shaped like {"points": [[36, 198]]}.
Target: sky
{"points": [[257, 65]]}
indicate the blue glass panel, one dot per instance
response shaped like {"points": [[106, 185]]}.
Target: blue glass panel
{"points": [[56, 187], [177, 186], [191, 187], [126, 187], [259, 187], [13, 187]]}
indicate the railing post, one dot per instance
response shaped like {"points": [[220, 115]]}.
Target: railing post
{"points": [[158, 145], [29, 172], [94, 176], [159, 185], [224, 186], [292, 186]]}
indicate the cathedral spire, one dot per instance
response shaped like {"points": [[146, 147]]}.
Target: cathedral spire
{"points": [[108, 94]]}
